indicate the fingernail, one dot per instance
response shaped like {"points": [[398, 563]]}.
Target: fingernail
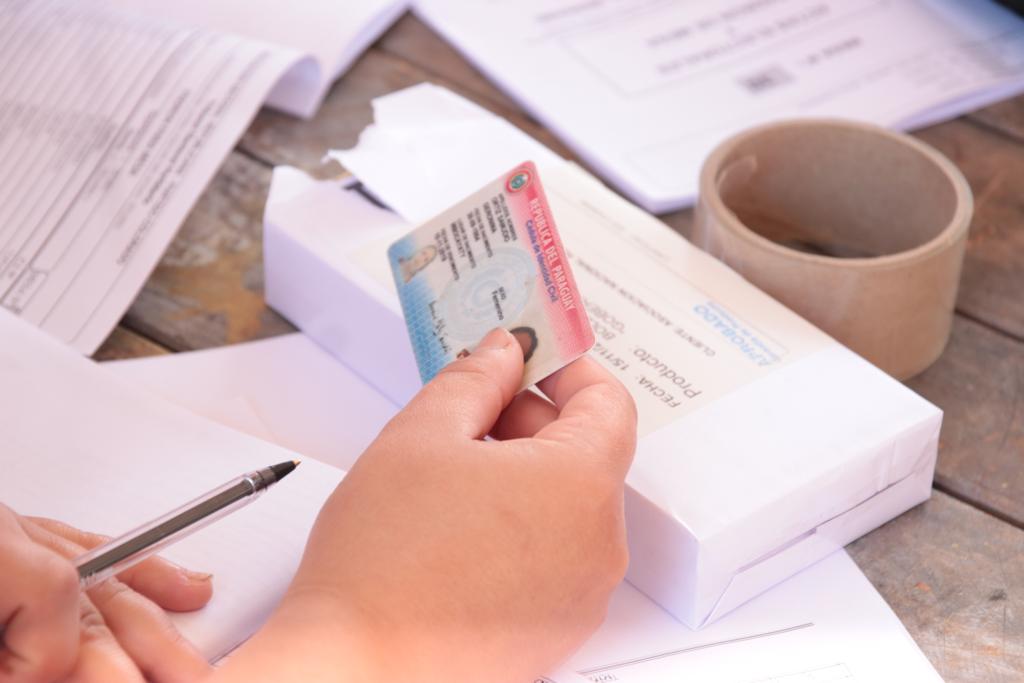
{"points": [[196, 577], [496, 339]]}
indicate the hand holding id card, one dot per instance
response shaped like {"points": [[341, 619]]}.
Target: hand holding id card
{"points": [[493, 260]]}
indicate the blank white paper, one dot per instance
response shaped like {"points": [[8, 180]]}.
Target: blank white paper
{"points": [[92, 450], [304, 400]]}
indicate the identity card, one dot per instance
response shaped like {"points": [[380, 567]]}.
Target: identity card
{"points": [[494, 259]]}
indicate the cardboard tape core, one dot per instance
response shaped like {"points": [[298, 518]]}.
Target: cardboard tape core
{"points": [[859, 229]]}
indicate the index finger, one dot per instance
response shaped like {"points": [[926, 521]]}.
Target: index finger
{"points": [[574, 378], [594, 411], [134, 628], [172, 587]]}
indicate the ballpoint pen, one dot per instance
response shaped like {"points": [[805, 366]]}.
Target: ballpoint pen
{"points": [[133, 547]]}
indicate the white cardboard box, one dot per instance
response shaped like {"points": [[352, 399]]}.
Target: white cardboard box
{"points": [[777, 446]]}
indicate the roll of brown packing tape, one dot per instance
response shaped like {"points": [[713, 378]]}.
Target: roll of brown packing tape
{"points": [[860, 230]]}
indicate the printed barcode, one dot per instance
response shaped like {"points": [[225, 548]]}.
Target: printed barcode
{"points": [[765, 80]]}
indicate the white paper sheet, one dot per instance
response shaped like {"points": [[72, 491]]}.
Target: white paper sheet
{"points": [[304, 399], [643, 89], [85, 447], [825, 624], [432, 176]]}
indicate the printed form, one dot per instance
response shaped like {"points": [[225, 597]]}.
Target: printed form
{"points": [[113, 121], [642, 90], [111, 124]]}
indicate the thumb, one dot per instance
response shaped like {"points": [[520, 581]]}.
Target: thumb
{"points": [[468, 395]]}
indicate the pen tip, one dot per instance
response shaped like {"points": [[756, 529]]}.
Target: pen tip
{"points": [[296, 462], [281, 470]]}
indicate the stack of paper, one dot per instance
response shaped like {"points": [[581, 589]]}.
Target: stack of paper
{"points": [[643, 89]]}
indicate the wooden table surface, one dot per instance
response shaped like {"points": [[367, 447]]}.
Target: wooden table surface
{"points": [[952, 569]]}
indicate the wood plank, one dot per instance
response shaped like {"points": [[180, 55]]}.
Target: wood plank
{"points": [[993, 280], [680, 221], [955, 577], [1006, 117], [123, 343], [278, 138], [979, 383], [208, 288]]}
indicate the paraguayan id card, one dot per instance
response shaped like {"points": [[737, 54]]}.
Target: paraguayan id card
{"points": [[495, 259]]}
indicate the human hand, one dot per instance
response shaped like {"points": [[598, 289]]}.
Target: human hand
{"points": [[114, 632], [445, 557]]}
